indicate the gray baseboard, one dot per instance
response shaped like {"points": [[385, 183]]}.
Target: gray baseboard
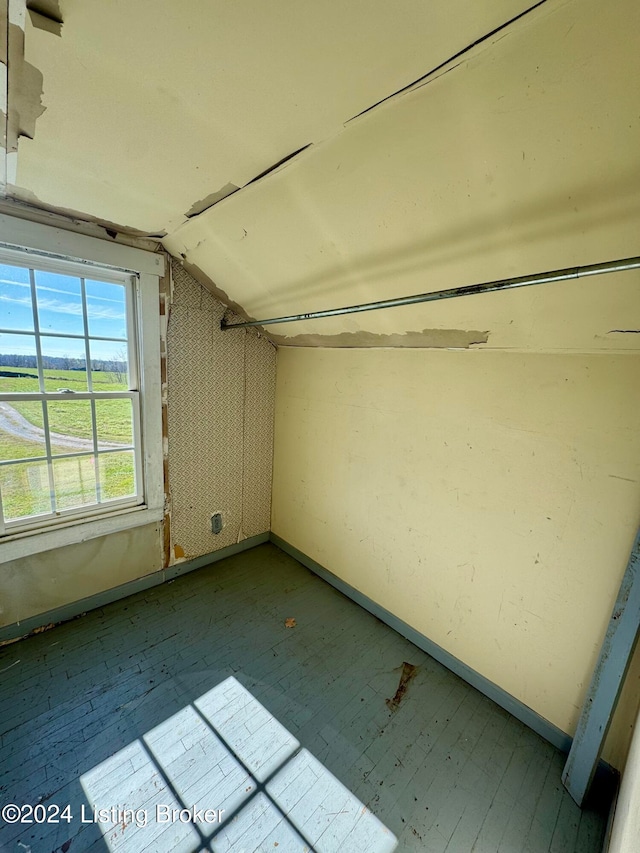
{"points": [[607, 777], [100, 599], [522, 712]]}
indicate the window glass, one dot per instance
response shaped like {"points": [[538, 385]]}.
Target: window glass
{"points": [[16, 311], [67, 410]]}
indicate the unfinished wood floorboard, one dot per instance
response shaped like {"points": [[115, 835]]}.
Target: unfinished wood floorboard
{"points": [[195, 695]]}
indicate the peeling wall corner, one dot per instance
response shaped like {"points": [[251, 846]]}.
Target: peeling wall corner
{"points": [[201, 277], [25, 89], [165, 307], [230, 316]]}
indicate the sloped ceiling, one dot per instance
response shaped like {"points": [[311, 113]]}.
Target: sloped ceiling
{"points": [[434, 144]]}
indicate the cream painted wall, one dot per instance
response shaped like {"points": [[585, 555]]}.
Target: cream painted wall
{"points": [[488, 499], [52, 579]]}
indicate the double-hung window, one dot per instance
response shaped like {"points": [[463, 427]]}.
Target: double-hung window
{"points": [[80, 439]]}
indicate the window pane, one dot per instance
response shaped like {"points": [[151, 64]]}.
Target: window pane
{"points": [[114, 421], [64, 363], [109, 363], [21, 434], [102, 378], [18, 363], [25, 490], [59, 302], [15, 298], [75, 481], [106, 309], [70, 426], [117, 475]]}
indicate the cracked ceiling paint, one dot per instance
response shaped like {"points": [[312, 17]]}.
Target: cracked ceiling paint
{"points": [[453, 183], [148, 113], [433, 146]]}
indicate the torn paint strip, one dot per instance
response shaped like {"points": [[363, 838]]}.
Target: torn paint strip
{"points": [[425, 339], [25, 89], [47, 9], [41, 22], [45, 15], [212, 199]]}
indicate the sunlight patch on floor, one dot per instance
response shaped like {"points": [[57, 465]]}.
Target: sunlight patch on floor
{"points": [[223, 775]]}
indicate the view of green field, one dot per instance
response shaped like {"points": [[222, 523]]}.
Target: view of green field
{"points": [[25, 486]]}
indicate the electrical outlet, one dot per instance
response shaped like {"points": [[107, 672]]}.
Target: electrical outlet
{"points": [[216, 522]]}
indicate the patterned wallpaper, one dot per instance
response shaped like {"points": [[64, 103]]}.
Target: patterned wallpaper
{"points": [[221, 388]]}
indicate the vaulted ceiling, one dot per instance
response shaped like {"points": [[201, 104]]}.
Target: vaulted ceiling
{"points": [[300, 156]]}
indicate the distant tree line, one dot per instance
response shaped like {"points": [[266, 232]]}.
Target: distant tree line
{"points": [[62, 363]]}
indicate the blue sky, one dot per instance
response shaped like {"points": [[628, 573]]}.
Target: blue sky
{"points": [[60, 310]]}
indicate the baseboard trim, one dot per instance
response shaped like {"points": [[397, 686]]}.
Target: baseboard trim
{"points": [[522, 712], [607, 777], [18, 630]]}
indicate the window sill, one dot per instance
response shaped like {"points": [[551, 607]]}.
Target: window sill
{"points": [[18, 545]]}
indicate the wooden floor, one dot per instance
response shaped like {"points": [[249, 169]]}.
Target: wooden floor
{"points": [[196, 693]]}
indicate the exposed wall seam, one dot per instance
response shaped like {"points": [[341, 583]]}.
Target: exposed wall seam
{"points": [[200, 207], [229, 189], [165, 310], [241, 535], [277, 165]]}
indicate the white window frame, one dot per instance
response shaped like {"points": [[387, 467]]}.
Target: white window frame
{"points": [[46, 242]]}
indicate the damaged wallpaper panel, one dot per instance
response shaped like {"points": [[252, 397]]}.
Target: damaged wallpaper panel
{"points": [[221, 389]]}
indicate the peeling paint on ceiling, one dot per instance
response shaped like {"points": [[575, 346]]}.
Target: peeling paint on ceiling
{"points": [[307, 157]]}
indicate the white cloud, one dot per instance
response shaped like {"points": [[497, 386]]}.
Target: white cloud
{"points": [[60, 307], [44, 287]]}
